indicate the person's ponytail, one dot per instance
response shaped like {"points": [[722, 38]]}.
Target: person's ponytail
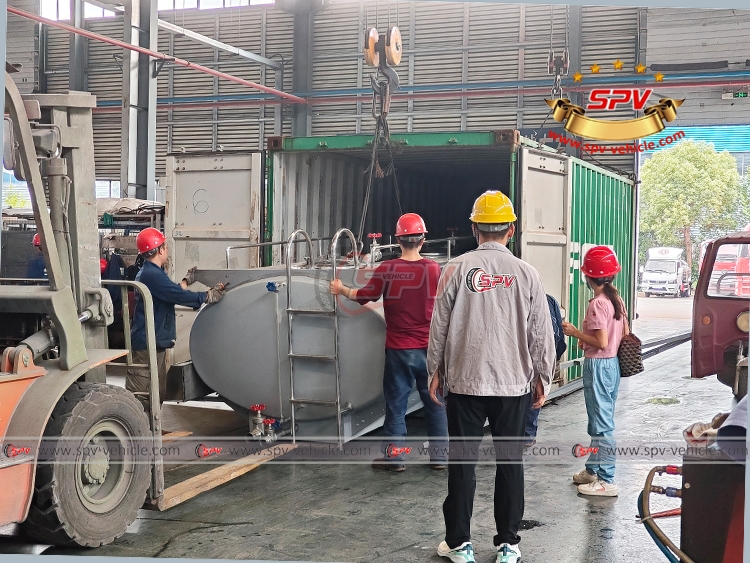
{"points": [[613, 295]]}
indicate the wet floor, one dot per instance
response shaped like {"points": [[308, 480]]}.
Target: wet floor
{"points": [[351, 513]]}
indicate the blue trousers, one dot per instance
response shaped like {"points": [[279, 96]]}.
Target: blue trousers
{"points": [[404, 369], [532, 422], [601, 381]]}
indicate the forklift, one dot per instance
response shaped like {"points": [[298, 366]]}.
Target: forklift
{"points": [[75, 453], [79, 457]]}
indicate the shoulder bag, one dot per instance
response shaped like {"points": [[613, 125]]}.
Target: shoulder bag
{"points": [[630, 353]]}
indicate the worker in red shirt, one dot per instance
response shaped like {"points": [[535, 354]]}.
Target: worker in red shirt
{"points": [[408, 286]]}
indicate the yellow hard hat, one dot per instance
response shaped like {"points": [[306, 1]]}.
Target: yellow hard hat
{"points": [[492, 207]]}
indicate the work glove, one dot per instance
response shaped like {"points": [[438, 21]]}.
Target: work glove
{"points": [[704, 433], [215, 294], [189, 278], [699, 434]]}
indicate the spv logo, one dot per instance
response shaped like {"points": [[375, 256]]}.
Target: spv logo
{"points": [[580, 451], [479, 281], [611, 99]]}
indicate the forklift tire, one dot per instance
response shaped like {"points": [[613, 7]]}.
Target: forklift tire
{"points": [[89, 495]]}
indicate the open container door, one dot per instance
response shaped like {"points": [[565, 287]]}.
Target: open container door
{"points": [[213, 201], [544, 194]]}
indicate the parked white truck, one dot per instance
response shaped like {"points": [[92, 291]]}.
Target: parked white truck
{"points": [[666, 273]]}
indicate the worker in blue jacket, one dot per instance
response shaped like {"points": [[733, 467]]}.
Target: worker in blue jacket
{"points": [[532, 414], [166, 294]]}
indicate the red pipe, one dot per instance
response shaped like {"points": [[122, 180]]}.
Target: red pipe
{"points": [[422, 96], [154, 54]]}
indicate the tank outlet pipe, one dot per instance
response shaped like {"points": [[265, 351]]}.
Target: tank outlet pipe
{"points": [[155, 55]]}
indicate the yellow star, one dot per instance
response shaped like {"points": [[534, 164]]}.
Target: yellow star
{"points": [[577, 77], [618, 64], [595, 68], [641, 68], [659, 77]]}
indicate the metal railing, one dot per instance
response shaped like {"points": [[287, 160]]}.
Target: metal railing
{"points": [[284, 246], [450, 243], [649, 349], [157, 475]]}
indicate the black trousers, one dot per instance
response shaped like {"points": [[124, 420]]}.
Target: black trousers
{"points": [[466, 417]]}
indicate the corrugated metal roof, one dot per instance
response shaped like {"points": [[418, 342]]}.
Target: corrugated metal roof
{"points": [[732, 138]]}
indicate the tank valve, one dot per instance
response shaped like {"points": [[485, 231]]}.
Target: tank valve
{"points": [[272, 287], [269, 429], [257, 420], [375, 255]]}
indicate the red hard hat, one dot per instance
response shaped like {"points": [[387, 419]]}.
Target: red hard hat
{"points": [[149, 239], [36, 241], [600, 262], [410, 224], [102, 265]]}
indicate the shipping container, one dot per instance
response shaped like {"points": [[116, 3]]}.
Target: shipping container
{"points": [[564, 205], [242, 347]]}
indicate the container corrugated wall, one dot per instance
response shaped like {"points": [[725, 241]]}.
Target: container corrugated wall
{"points": [[602, 212], [321, 192]]}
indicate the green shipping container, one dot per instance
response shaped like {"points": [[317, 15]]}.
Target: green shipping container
{"points": [[564, 205]]}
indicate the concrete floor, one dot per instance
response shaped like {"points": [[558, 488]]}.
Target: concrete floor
{"points": [[350, 513]]}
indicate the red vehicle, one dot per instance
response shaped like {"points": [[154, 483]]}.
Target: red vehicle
{"points": [[721, 313]]}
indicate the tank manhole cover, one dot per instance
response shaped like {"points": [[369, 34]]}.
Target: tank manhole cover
{"points": [[528, 524], [663, 401]]}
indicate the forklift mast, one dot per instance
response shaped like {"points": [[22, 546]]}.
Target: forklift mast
{"points": [[51, 148]]}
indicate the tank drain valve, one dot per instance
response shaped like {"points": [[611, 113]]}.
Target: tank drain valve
{"points": [[257, 420], [269, 427]]}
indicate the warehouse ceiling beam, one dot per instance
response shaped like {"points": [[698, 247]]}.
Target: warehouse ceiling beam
{"points": [[284, 96], [176, 29], [118, 7]]}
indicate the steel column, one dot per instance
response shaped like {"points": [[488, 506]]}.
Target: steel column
{"points": [[302, 42], [138, 170], [521, 58], [78, 50], [575, 32]]}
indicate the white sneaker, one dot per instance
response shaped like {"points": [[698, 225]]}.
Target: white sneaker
{"points": [[599, 489], [583, 477], [507, 553], [464, 553]]}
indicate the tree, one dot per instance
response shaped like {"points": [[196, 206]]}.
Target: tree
{"points": [[17, 201], [690, 192]]}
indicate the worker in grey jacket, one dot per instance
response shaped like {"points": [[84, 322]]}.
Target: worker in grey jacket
{"points": [[491, 345]]}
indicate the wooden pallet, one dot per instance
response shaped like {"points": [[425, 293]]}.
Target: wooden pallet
{"points": [[179, 493]]}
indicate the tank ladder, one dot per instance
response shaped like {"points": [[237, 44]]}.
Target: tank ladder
{"points": [[333, 312]]}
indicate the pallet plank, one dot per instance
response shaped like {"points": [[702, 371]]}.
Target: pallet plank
{"points": [[192, 487]]}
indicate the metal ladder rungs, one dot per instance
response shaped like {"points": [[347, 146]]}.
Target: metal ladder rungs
{"points": [[313, 357], [318, 402], [326, 312]]}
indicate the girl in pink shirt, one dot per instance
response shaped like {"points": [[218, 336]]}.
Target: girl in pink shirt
{"points": [[603, 328]]}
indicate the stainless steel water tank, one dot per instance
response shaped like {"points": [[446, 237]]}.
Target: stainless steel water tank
{"points": [[239, 348]]}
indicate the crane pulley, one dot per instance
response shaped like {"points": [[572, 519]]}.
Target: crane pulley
{"points": [[381, 50]]}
